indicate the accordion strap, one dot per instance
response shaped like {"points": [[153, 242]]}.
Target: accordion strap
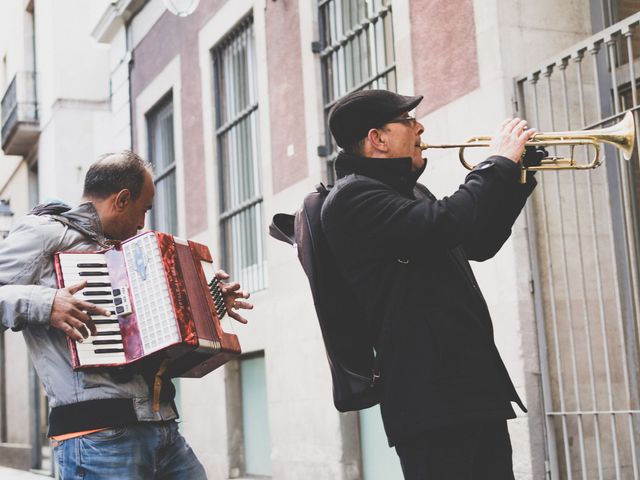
{"points": [[157, 384]]}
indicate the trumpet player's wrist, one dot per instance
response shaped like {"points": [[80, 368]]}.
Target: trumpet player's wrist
{"points": [[507, 169]]}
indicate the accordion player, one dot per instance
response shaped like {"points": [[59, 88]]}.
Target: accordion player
{"points": [[165, 302]]}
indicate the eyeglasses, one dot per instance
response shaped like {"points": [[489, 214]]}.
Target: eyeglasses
{"points": [[406, 119]]}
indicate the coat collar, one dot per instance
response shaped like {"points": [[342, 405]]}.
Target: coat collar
{"points": [[395, 172], [86, 216]]}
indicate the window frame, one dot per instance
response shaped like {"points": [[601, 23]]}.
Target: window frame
{"points": [[153, 118], [240, 212]]}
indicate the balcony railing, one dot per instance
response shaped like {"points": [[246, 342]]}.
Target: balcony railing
{"points": [[20, 125]]}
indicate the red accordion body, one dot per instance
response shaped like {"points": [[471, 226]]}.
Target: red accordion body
{"points": [[165, 303]]}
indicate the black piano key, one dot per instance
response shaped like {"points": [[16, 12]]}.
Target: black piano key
{"points": [[98, 301], [98, 284], [106, 342], [92, 274], [91, 265], [96, 293], [109, 350], [106, 333], [105, 322]]}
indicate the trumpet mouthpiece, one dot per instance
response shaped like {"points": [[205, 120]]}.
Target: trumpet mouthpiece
{"points": [[423, 146]]}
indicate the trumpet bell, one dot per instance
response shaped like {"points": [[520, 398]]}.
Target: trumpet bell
{"points": [[621, 135]]}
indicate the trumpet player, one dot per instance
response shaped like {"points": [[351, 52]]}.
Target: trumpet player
{"points": [[446, 394]]}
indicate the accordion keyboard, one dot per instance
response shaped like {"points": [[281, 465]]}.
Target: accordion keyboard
{"points": [[105, 347]]}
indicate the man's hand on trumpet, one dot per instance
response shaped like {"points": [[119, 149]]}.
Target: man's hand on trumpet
{"points": [[510, 139], [234, 298]]}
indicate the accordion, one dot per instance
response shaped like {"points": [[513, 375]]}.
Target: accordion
{"points": [[164, 299]]}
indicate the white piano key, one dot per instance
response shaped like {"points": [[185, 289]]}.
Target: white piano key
{"points": [[67, 259], [101, 359], [104, 317]]}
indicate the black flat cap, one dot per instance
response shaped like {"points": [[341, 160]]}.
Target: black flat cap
{"points": [[354, 115]]}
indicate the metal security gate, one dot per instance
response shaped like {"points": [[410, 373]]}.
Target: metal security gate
{"points": [[583, 230]]}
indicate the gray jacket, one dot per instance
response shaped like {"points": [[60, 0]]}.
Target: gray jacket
{"points": [[27, 289]]}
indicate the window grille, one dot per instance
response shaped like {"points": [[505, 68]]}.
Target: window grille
{"points": [[164, 215], [584, 256], [356, 52], [237, 135]]}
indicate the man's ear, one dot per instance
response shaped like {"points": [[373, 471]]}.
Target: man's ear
{"points": [[378, 140], [122, 199]]}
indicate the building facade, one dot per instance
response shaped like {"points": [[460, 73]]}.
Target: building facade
{"points": [[230, 106]]}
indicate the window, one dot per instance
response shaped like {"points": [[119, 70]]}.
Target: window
{"points": [[164, 215], [249, 438], [356, 52], [255, 424], [379, 462], [609, 12], [241, 222]]}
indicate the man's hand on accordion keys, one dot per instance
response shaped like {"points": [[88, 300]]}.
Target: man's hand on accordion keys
{"points": [[233, 297], [71, 315]]}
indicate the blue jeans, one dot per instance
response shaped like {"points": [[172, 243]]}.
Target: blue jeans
{"points": [[148, 450]]}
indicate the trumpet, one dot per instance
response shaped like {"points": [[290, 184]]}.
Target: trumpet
{"points": [[621, 135]]}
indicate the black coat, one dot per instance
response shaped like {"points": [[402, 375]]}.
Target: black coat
{"points": [[440, 365]]}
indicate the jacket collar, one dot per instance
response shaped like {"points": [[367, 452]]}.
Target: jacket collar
{"points": [[84, 215], [87, 217], [395, 172]]}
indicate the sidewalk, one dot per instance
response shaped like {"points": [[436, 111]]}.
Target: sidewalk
{"points": [[11, 474]]}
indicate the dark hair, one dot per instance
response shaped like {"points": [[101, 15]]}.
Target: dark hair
{"points": [[113, 172], [355, 148]]}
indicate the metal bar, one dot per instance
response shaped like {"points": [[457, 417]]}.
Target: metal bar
{"points": [[631, 61], [565, 272], [626, 327], [594, 412], [554, 320], [593, 51], [547, 402], [596, 250], [588, 43], [611, 55], [363, 84], [346, 36], [585, 310]]}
